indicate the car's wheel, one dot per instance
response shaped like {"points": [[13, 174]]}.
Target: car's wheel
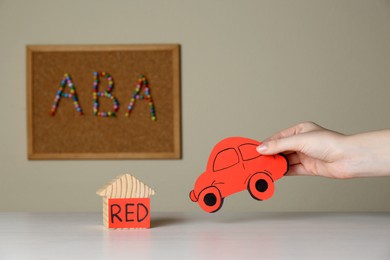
{"points": [[261, 186], [210, 199]]}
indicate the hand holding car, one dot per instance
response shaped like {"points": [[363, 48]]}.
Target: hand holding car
{"points": [[314, 150]]}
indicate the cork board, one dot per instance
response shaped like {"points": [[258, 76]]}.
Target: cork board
{"points": [[69, 135]]}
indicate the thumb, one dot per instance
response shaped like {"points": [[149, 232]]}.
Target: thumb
{"points": [[292, 143]]}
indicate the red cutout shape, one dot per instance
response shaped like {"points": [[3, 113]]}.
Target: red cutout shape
{"points": [[234, 165], [129, 213]]}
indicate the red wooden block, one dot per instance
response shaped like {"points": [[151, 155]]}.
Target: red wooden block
{"points": [[126, 203]]}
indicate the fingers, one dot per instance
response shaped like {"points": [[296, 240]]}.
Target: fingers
{"points": [[296, 139], [292, 143], [293, 159], [294, 130], [298, 170]]}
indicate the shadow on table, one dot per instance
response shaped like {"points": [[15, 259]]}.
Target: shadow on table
{"points": [[163, 221], [248, 217], [169, 220], [227, 217]]}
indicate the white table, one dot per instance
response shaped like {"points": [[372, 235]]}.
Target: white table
{"points": [[222, 235]]}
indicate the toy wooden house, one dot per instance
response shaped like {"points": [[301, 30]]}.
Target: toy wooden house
{"points": [[126, 203]]}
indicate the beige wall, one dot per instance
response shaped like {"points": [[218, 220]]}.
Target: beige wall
{"points": [[248, 68]]}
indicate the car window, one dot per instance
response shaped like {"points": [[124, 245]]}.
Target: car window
{"points": [[225, 159], [248, 151]]}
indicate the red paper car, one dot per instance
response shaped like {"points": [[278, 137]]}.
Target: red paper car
{"points": [[234, 165]]}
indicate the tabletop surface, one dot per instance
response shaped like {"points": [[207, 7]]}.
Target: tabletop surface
{"points": [[174, 235]]}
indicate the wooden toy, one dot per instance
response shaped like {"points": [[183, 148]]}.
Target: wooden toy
{"points": [[126, 203], [233, 166]]}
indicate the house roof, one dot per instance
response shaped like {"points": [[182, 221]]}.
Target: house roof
{"points": [[125, 186]]}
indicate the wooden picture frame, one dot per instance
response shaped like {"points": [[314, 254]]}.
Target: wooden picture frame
{"points": [[67, 133]]}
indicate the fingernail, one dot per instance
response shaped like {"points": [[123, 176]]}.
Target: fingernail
{"points": [[261, 148]]}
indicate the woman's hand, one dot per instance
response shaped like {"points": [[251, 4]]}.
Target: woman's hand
{"points": [[314, 150]]}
